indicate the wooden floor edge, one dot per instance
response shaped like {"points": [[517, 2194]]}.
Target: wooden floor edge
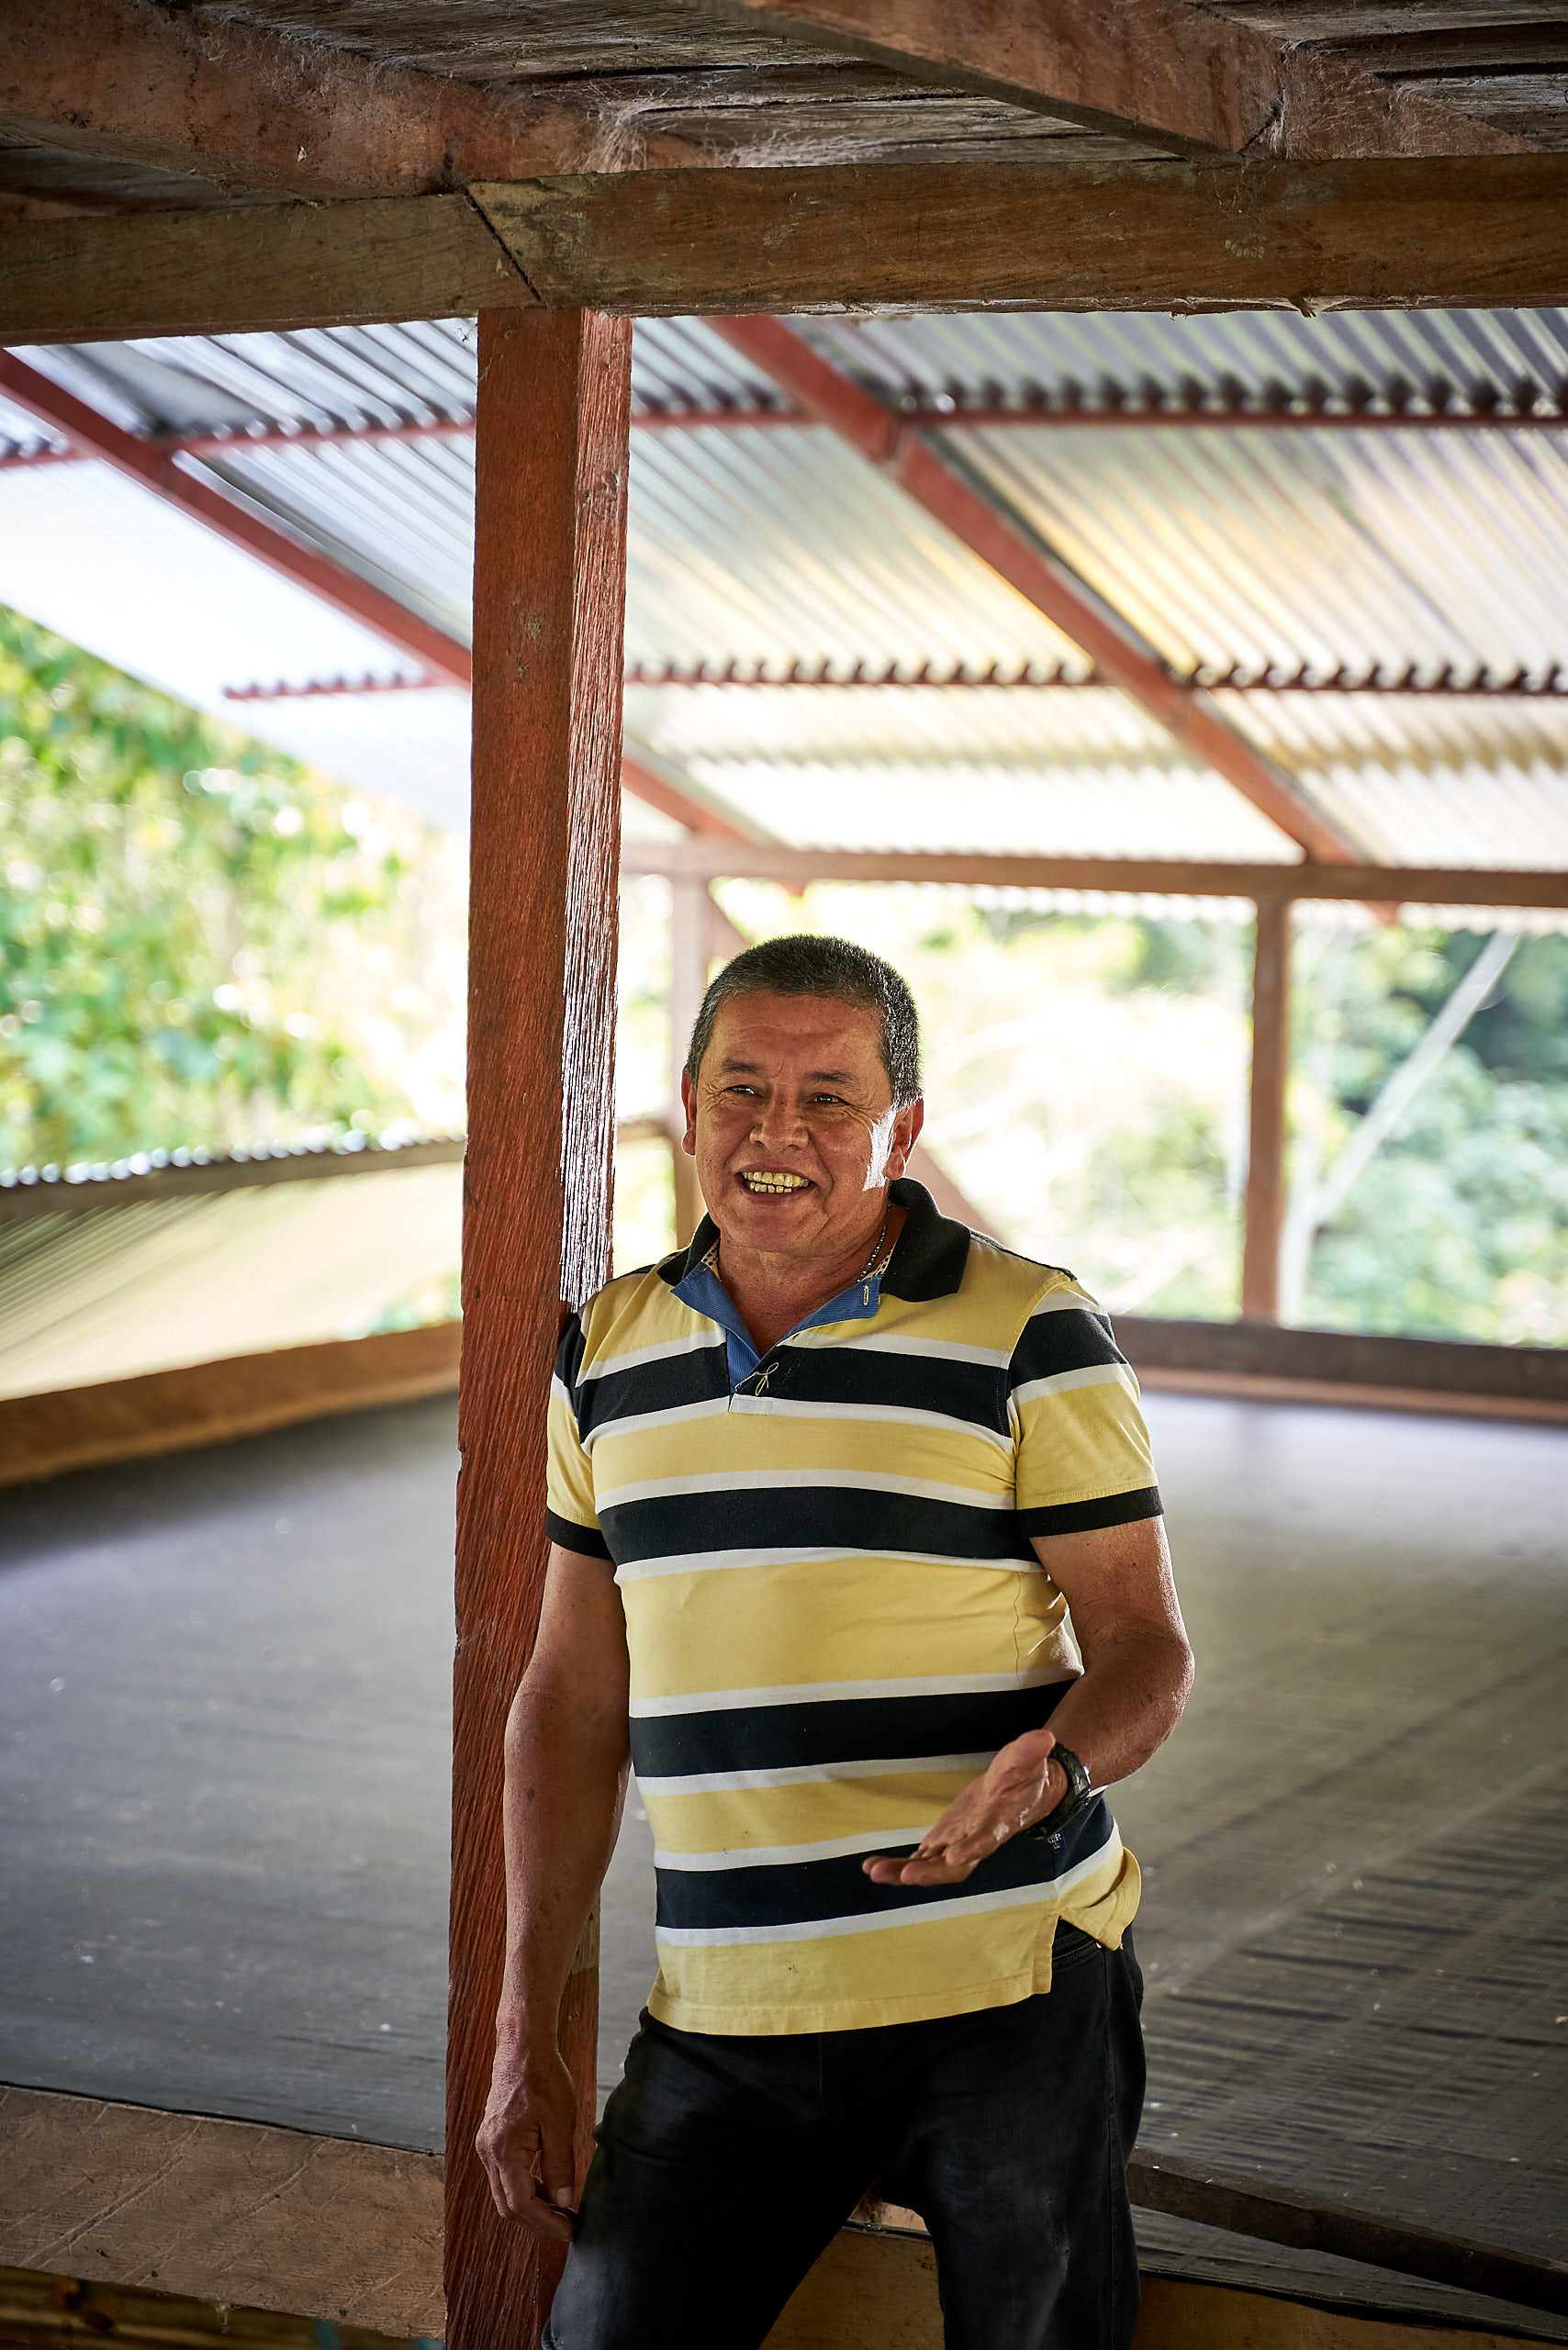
{"points": [[1268, 1387], [243, 2212], [203, 1404], [250, 2215]]}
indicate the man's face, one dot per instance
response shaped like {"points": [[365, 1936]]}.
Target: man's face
{"points": [[793, 1126]]}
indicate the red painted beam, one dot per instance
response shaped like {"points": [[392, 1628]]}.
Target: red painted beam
{"points": [[697, 816], [928, 474], [445, 661]]}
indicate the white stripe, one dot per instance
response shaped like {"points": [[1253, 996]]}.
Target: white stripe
{"points": [[811, 1774], [756, 1481], [673, 1416], [699, 1563], [1066, 1301], [969, 1905], [1095, 1374], [930, 1350], [897, 1415], [810, 1693], [696, 1342], [764, 1856]]}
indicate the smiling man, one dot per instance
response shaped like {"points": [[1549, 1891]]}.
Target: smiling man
{"points": [[858, 1559]]}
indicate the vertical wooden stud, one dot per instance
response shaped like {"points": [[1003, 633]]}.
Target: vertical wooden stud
{"points": [[1265, 1206], [549, 588]]}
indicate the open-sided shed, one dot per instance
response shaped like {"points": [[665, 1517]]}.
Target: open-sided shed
{"points": [[1235, 607]]}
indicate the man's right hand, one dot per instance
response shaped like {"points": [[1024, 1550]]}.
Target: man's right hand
{"points": [[525, 2143]]}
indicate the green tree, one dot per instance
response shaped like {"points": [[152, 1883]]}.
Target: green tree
{"points": [[169, 889], [1458, 1225]]}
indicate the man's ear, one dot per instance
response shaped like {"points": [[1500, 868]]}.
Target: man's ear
{"points": [[688, 1103], [906, 1134]]}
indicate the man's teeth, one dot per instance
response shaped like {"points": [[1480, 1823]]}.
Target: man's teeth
{"points": [[767, 1179]]}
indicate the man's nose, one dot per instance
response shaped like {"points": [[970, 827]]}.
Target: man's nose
{"points": [[778, 1121]]}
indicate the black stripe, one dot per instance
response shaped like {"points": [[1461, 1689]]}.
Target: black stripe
{"points": [[973, 1391], [663, 1386], [585, 1538], [1068, 1339], [1086, 1517], [837, 1729], [569, 1353], [801, 1517], [791, 1894]]}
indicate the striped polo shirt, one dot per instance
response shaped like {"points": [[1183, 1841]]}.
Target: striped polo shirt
{"points": [[834, 1616]]}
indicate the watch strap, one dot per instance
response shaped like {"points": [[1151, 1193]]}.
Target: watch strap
{"points": [[1078, 1797]]}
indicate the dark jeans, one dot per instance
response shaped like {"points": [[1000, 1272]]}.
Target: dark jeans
{"points": [[725, 2164]]}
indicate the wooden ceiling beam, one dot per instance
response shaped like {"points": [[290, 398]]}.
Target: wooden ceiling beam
{"points": [[1487, 233], [1141, 877], [939, 482], [1166, 72], [190, 92]]}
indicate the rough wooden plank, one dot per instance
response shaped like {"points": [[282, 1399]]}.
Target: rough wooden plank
{"points": [[1270, 1387], [211, 1402], [1351, 1358], [223, 2210], [1180, 2315], [1265, 1196], [1487, 231], [1483, 230], [1162, 71], [549, 585], [1139, 877], [243, 107], [264, 266]]}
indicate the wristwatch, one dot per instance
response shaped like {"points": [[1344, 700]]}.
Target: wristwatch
{"points": [[1080, 1794]]}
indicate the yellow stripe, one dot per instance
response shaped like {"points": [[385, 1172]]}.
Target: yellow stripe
{"points": [[774, 1627], [932, 1966], [723, 1820], [736, 1443], [1080, 1444]]}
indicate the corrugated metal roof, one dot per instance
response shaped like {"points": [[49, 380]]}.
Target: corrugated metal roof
{"points": [[328, 378], [1475, 361], [111, 1293], [1315, 550], [768, 547]]}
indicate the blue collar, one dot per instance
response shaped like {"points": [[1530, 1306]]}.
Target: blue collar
{"points": [[703, 1290]]}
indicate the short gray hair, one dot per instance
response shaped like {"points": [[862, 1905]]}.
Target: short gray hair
{"points": [[833, 968]]}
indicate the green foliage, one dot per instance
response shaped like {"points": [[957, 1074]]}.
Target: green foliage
{"points": [[167, 888], [1459, 1226]]}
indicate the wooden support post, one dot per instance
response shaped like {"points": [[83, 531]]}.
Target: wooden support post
{"points": [[691, 947], [549, 584], [1265, 1206]]}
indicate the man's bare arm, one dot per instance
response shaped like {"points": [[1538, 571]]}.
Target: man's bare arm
{"points": [[567, 1759], [1137, 1670]]}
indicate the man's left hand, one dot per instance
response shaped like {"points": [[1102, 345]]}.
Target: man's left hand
{"points": [[1018, 1788]]}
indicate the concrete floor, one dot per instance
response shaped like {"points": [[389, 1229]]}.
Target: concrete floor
{"points": [[224, 1690]]}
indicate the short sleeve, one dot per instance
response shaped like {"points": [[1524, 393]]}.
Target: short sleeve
{"points": [[570, 1517], [1083, 1457]]}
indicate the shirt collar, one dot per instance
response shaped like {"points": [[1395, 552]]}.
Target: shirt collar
{"points": [[928, 1262]]}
